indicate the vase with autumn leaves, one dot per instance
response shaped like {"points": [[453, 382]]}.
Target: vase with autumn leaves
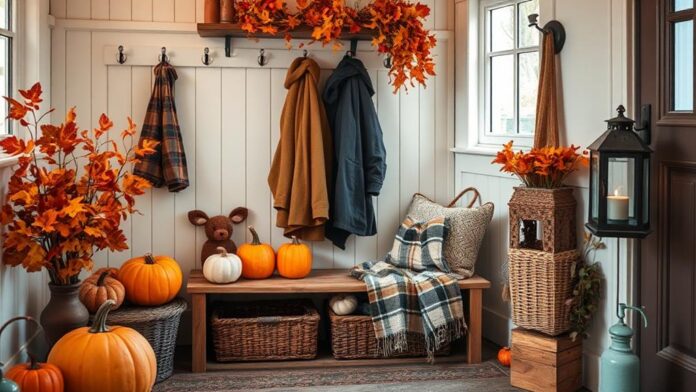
{"points": [[66, 199]]}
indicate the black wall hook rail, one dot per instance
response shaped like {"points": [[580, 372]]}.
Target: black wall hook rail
{"points": [[121, 58], [553, 27]]}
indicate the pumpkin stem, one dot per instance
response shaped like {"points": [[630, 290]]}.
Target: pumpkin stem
{"points": [[149, 259], [33, 364], [222, 251], [295, 241], [99, 324], [254, 236], [100, 281]]}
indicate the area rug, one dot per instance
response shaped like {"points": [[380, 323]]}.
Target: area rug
{"points": [[487, 376]]}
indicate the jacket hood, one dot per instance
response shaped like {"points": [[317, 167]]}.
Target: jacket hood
{"points": [[349, 67], [299, 67]]}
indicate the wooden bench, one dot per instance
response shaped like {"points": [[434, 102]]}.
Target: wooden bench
{"points": [[319, 282]]}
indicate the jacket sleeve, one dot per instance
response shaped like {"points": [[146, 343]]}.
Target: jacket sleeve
{"points": [[374, 153]]}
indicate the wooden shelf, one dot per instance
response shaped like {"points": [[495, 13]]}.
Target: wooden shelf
{"points": [[234, 30], [319, 281]]}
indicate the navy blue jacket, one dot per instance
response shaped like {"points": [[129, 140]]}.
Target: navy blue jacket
{"points": [[359, 164]]}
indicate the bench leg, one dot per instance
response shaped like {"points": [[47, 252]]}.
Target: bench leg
{"points": [[199, 355], [475, 320]]}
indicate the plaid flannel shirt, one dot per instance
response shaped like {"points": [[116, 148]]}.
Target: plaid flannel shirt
{"points": [[413, 292], [168, 164]]}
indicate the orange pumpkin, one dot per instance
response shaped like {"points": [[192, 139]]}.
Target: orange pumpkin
{"points": [[258, 259], [151, 280], [105, 359], [113, 272], [36, 377], [98, 288], [294, 260], [504, 356]]}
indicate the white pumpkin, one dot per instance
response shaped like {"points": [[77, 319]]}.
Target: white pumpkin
{"points": [[343, 304], [222, 267]]}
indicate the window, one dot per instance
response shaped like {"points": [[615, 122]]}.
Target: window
{"points": [[509, 71], [681, 24], [6, 37]]}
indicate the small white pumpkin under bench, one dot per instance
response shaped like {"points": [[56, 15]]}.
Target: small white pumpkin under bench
{"points": [[328, 281]]}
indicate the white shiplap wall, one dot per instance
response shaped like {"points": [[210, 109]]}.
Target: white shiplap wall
{"points": [[229, 115]]}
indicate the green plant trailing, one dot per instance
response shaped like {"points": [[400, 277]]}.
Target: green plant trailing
{"points": [[587, 284]]}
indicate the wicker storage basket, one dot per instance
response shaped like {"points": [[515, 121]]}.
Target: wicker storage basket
{"points": [[353, 337], [265, 331], [540, 283], [159, 325]]}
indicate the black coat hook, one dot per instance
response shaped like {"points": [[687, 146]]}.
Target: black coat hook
{"points": [[387, 62], [305, 53], [121, 58], [553, 27], [353, 48], [206, 59], [262, 60], [163, 58]]}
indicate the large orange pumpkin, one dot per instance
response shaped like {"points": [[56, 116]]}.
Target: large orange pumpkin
{"points": [[98, 288], [258, 259], [151, 280], [294, 260], [105, 359], [504, 356], [36, 377]]}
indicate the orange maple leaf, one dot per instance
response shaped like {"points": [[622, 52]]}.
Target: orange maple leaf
{"points": [[32, 97], [74, 207], [17, 110], [46, 221]]}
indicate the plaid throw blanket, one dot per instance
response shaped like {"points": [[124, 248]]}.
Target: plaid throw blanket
{"points": [[413, 291], [168, 164]]}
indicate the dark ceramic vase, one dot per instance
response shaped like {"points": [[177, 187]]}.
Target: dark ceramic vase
{"points": [[63, 313]]}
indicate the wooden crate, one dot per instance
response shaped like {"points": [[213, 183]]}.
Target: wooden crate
{"points": [[544, 363]]}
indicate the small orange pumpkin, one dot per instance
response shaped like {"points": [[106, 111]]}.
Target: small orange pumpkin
{"points": [[151, 280], [37, 377], [98, 288], [258, 259], [504, 356], [294, 259], [113, 272], [105, 359]]}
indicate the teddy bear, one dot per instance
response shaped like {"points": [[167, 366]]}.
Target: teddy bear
{"points": [[218, 229]]}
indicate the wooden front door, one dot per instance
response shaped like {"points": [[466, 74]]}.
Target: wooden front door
{"points": [[665, 74]]}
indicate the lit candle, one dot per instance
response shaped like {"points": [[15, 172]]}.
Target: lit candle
{"points": [[617, 207]]}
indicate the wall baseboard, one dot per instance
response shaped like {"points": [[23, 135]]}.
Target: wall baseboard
{"points": [[496, 327]]}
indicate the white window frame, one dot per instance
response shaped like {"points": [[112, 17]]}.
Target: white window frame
{"points": [[11, 34], [484, 76]]}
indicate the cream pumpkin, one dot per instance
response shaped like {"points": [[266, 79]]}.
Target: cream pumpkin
{"points": [[343, 304], [222, 267]]}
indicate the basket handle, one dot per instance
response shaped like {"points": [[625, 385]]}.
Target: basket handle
{"points": [[269, 320], [477, 196]]}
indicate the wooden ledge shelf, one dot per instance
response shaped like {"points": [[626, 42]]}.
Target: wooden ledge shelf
{"points": [[234, 30], [328, 281]]}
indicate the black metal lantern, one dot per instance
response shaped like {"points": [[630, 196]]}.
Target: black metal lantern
{"points": [[619, 182]]}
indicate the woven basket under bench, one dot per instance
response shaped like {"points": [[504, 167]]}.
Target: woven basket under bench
{"points": [[159, 325], [265, 331], [353, 337]]}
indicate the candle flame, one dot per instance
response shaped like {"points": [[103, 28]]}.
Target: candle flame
{"points": [[616, 192]]}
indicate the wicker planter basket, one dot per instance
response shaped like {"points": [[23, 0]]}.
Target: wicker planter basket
{"points": [[540, 283], [159, 325], [265, 331], [353, 337]]}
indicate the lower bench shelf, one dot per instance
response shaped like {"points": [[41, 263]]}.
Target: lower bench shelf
{"points": [[319, 282]]}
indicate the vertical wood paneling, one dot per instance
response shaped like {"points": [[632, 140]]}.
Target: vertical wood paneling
{"points": [[78, 9], [100, 9], [278, 94], [258, 143], [142, 241], [185, 233], [426, 147], [163, 10], [199, 10], [120, 10], [58, 8], [430, 20], [119, 108], [409, 153], [142, 10], [233, 146], [185, 11], [208, 171]]}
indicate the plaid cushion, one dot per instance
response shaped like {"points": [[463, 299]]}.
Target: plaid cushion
{"points": [[418, 245]]}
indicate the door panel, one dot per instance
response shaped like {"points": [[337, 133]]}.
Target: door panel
{"points": [[668, 256]]}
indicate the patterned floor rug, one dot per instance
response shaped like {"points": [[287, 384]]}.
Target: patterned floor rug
{"points": [[487, 376]]}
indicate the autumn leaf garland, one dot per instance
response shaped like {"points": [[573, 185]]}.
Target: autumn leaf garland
{"points": [[69, 192], [398, 25]]}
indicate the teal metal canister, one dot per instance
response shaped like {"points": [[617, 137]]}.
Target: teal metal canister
{"points": [[619, 366]]}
